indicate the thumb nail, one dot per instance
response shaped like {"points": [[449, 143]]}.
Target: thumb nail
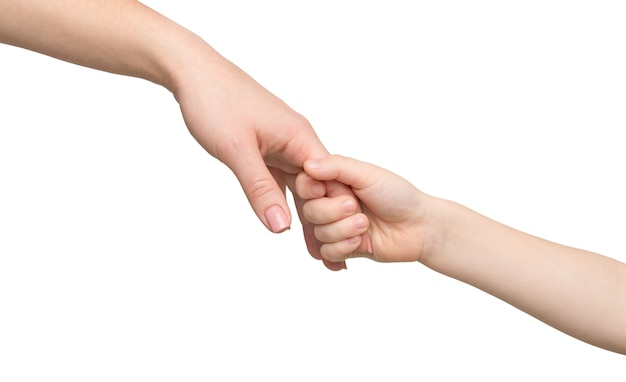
{"points": [[313, 164], [277, 219]]}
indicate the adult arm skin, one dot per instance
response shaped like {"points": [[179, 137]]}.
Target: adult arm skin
{"points": [[260, 138], [578, 292]]}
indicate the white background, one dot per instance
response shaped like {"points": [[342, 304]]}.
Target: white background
{"points": [[127, 253]]}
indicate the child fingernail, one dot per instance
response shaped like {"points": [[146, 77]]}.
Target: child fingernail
{"points": [[317, 190], [354, 240], [348, 206], [313, 164], [360, 223]]}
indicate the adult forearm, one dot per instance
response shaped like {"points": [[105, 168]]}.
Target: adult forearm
{"points": [[118, 36], [578, 292]]}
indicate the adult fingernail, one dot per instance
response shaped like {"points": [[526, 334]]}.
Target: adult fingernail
{"points": [[277, 219]]}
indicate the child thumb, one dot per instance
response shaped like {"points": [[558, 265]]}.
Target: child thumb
{"points": [[348, 171]]}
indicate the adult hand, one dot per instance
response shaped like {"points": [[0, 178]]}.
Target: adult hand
{"points": [[250, 130], [258, 136], [234, 118]]}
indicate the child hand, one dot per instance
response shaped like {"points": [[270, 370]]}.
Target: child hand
{"points": [[395, 213]]}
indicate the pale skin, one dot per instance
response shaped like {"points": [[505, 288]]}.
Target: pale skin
{"points": [[257, 135], [578, 292]]}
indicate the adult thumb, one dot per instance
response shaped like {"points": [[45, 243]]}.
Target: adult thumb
{"points": [[265, 189]]}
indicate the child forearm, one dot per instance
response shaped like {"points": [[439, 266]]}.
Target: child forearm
{"points": [[578, 292]]}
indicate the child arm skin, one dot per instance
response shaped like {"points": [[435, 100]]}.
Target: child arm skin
{"points": [[578, 292]]}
